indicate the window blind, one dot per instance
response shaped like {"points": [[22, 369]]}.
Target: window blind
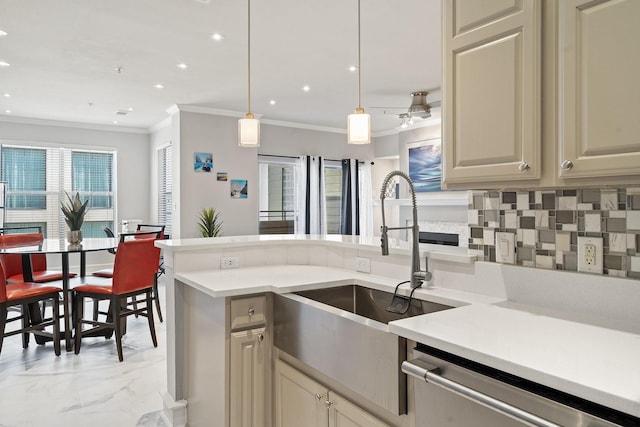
{"points": [[38, 177], [165, 179]]}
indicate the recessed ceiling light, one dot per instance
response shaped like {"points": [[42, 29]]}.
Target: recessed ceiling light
{"points": [[4, 64], [6, 95], [217, 37], [3, 33], [7, 111], [130, 109], [272, 102], [353, 68], [158, 86], [115, 122], [182, 66], [306, 88]]}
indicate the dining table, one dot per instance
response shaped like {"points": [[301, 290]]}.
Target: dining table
{"points": [[64, 248]]}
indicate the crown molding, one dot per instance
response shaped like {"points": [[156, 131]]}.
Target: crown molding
{"points": [[303, 126], [75, 125], [164, 123]]}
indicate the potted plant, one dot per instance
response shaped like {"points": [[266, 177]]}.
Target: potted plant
{"points": [[210, 223], [74, 211]]}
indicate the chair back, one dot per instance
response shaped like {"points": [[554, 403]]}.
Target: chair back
{"points": [[135, 265], [151, 227], [12, 263], [22, 239]]}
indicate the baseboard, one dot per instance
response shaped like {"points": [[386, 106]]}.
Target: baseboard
{"points": [[174, 414]]}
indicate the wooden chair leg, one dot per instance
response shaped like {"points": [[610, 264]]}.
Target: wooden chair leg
{"points": [[117, 324], [78, 315], [56, 323], [152, 326], [156, 297], [135, 304], [3, 322], [25, 324]]}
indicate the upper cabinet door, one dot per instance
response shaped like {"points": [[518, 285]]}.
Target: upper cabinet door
{"points": [[600, 88], [491, 88]]}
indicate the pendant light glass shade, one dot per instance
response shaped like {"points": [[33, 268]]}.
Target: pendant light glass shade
{"points": [[249, 127], [359, 123], [249, 131], [359, 127]]}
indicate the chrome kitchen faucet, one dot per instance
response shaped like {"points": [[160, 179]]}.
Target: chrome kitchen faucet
{"points": [[417, 276]]}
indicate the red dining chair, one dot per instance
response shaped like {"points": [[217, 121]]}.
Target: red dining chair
{"points": [[13, 262], [134, 269], [22, 294], [108, 272]]}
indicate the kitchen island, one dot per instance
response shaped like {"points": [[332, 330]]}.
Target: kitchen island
{"points": [[555, 329]]}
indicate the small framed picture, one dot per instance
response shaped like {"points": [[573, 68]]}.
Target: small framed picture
{"points": [[222, 176], [202, 162], [239, 189]]}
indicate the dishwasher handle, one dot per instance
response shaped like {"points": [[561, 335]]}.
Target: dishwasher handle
{"points": [[429, 373]]}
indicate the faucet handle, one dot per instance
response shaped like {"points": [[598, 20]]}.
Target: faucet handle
{"points": [[384, 241]]}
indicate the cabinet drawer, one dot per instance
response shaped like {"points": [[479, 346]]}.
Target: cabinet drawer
{"points": [[248, 312]]}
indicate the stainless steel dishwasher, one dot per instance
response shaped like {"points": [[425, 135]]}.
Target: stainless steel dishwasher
{"points": [[451, 391]]}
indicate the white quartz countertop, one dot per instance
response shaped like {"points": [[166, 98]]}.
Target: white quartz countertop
{"points": [[590, 362], [372, 244]]}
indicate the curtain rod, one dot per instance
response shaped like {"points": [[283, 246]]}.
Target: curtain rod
{"points": [[294, 157]]}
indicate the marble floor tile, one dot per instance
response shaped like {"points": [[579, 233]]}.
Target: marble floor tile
{"points": [[89, 389]]}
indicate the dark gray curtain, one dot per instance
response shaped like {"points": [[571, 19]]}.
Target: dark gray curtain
{"points": [[350, 212]]}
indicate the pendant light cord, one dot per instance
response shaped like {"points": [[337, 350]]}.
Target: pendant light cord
{"points": [[249, 56], [359, 67]]}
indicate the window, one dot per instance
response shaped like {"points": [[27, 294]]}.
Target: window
{"points": [[333, 195], [165, 177], [277, 195], [38, 177]]}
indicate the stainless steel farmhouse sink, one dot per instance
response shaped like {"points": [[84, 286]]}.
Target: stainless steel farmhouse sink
{"points": [[342, 333], [370, 303]]}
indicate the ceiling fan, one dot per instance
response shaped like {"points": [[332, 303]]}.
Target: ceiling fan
{"points": [[419, 108]]}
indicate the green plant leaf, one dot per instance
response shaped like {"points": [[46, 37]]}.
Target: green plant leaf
{"points": [[209, 223]]}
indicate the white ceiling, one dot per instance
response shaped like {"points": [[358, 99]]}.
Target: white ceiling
{"points": [[63, 56]]}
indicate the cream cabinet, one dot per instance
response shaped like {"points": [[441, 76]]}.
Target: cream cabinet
{"points": [[491, 87], [248, 362], [302, 401], [540, 93], [600, 91]]}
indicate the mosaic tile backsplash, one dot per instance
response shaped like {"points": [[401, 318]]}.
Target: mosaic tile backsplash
{"points": [[547, 224]]}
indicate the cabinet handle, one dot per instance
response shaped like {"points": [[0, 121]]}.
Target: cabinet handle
{"points": [[566, 165], [251, 312], [319, 396], [523, 167], [328, 403], [260, 338]]}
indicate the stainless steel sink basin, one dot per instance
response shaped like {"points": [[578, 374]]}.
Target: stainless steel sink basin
{"points": [[357, 351], [370, 303]]}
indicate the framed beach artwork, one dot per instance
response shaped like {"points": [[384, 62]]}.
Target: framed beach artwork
{"points": [[425, 165], [222, 176], [239, 189], [202, 162]]}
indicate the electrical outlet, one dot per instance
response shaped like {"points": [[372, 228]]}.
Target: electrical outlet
{"points": [[363, 265], [590, 254], [229, 262]]}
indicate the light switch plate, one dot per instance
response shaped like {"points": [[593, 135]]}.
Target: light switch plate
{"points": [[590, 255], [505, 248]]}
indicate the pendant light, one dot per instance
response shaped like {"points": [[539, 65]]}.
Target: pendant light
{"points": [[249, 127], [359, 123]]}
